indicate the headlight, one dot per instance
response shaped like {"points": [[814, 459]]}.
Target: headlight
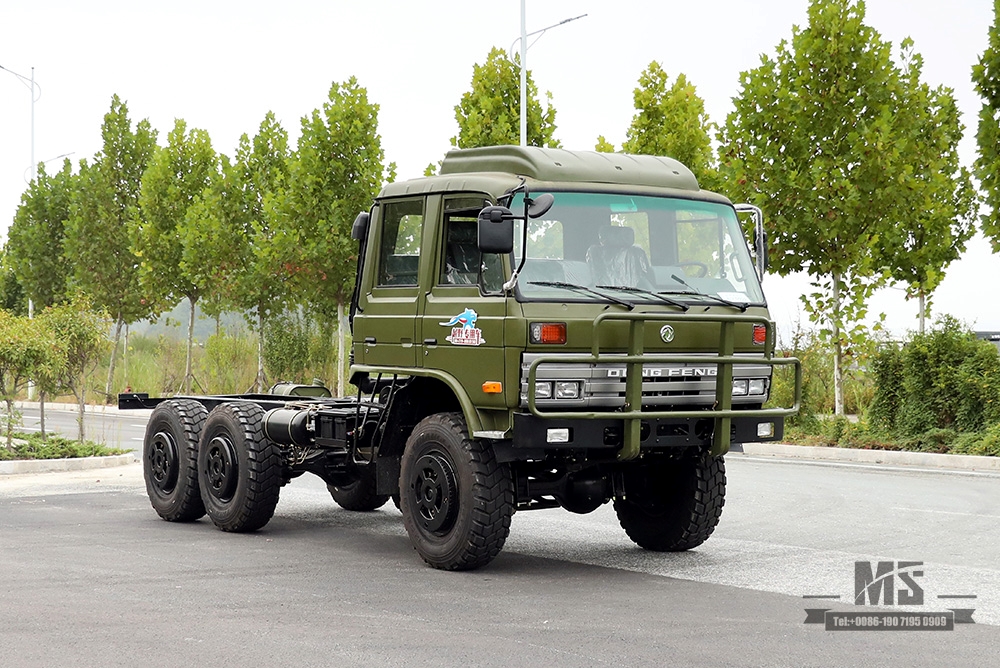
{"points": [[739, 388], [567, 389], [543, 390], [758, 386]]}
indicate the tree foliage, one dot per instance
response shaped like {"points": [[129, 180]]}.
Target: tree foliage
{"points": [[170, 238], [938, 202], [335, 172], [986, 77], [36, 237], [823, 139], [79, 332], [27, 348], [105, 207], [240, 213], [670, 120], [12, 297], [490, 113]]}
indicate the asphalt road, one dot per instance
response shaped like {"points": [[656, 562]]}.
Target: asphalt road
{"points": [[91, 577]]}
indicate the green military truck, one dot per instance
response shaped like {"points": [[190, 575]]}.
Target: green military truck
{"points": [[533, 328]]}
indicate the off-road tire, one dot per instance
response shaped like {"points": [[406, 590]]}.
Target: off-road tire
{"points": [[456, 499], [675, 505], [170, 459], [239, 469], [359, 495]]}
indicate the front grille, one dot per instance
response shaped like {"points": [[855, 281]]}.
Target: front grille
{"points": [[663, 384]]}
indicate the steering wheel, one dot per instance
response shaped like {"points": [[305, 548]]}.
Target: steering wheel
{"points": [[694, 263]]}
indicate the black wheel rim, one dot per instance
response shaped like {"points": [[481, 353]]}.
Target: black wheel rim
{"points": [[221, 469], [435, 493], [164, 465]]}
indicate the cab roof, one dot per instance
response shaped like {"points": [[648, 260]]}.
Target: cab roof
{"points": [[498, 169]]}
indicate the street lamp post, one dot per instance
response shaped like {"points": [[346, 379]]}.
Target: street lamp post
{"points": [[524, 66]]}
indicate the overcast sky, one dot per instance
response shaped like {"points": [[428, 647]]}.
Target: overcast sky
{"points": [[222, 65]]}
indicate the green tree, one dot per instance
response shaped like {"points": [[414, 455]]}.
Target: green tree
{"points": [[26, 349], [490, 113], [986, 77], [670, 120], [241, 216], [603, 145], [12, 298], [35, 238], [818, 138], [335, 172], [80, 335], [174, 263], [938, 200], [105, 207]]}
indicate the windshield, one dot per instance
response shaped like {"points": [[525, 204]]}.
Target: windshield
{"points": [[692, 251]]}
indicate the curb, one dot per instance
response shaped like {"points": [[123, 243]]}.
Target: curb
{"points": [[930, 460], [72, 408], [98, 409], [29, 466]]}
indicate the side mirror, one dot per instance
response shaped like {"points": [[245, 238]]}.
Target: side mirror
{"points": [[759, 237], [760, 247], [360, 229], [540, 205], [496, 230]]}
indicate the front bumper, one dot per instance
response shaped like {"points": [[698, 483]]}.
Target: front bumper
{"points": [[535, 433]]}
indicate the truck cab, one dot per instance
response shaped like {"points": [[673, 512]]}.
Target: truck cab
{"points": [[631, 253]]}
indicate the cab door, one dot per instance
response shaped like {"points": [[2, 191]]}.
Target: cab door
{"points": [[462, 325], [385, 331]]}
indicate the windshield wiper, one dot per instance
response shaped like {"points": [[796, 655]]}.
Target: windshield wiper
{"points": [[584, 289], [640, 291], [692, 291]]}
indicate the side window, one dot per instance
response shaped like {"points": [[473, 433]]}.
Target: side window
{"points": [[399, 255], [462, 263]]}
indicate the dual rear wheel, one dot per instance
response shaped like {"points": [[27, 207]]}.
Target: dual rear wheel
{"points": [[217, 463]]}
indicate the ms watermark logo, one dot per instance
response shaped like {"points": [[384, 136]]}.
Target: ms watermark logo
{"points": [[877, 583], [887, 584]]}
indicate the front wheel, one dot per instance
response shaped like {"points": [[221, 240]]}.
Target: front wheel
{"points": [[674, 505], [455, 498], [239, 469]]}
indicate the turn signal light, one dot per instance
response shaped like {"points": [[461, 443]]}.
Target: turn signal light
{"points": [[493, 387], [547, 332], [759, 335]]}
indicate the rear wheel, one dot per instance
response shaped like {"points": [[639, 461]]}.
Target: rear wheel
{"points": [[170, 459], [674, 505], [359, 495], [239, 469], [455, 498]]}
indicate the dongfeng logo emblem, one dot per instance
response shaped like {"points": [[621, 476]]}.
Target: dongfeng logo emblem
{"points": [[667, 333]]}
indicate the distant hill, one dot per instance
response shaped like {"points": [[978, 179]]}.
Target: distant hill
{"points": [[174, 324]]}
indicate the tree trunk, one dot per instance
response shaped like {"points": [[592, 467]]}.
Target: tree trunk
{"points": [[41, 415], [114, 357], [341, 340], [9, 420], [923, 310], [82, 396], [259, 383], [838, 351], [190, 344]]}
